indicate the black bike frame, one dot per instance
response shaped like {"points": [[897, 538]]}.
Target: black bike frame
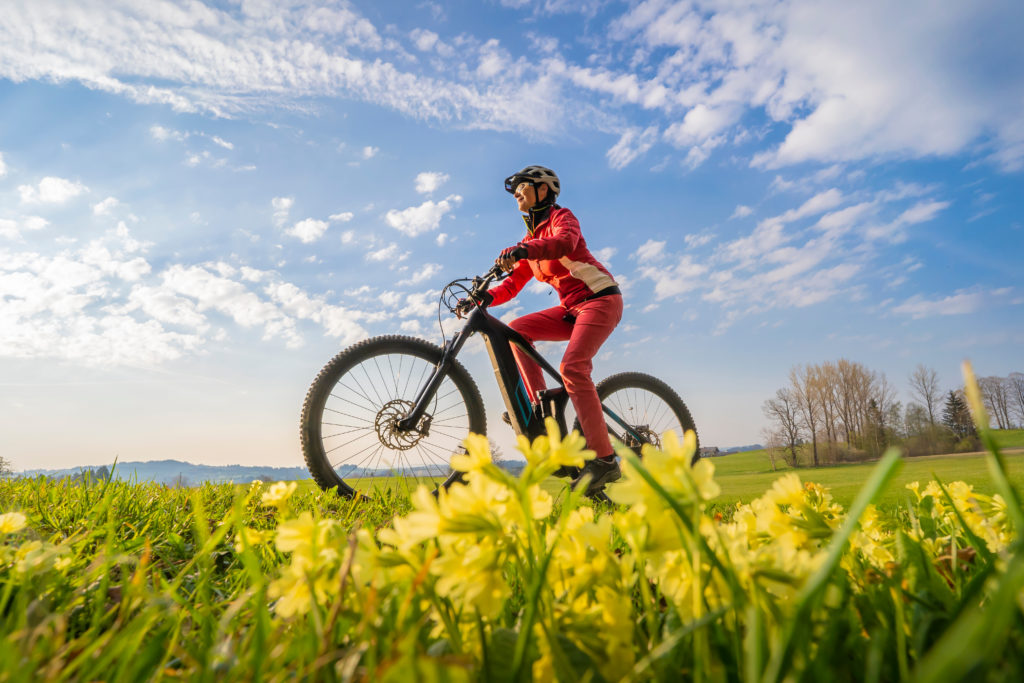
{"points": [[499, 339]]}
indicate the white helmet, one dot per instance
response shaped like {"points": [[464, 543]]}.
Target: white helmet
{"points": [[535, 175]]}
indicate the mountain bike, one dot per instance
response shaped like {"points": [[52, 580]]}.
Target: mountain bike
{"points": [[390, 411]]}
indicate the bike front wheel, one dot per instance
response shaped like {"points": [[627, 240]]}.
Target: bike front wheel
{"points": [[349, 425], [648, 406]]}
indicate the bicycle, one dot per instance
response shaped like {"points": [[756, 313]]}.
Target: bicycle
{"points": [[397, 405]]}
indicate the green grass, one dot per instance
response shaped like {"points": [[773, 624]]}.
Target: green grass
{"points": [[123, 581], [745, 476]]}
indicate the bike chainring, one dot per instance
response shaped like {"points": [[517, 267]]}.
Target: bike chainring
{"points": [[388, 432]]}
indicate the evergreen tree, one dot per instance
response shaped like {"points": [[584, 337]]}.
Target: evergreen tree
{"points": [[957, 416]]}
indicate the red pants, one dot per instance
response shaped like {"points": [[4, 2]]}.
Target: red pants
{"points": [[595, 320]]}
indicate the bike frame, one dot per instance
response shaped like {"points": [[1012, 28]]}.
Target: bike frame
{"points": [[499, 339]]}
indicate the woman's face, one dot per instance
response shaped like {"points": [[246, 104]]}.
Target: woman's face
{"points": [[527, 197]]}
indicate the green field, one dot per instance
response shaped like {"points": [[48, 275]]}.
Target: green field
{"points": [[746, 476]]}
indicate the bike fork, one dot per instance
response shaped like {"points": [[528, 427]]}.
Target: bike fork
{"points": [[414, 420]]}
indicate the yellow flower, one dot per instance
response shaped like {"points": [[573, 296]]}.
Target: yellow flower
{"points": [[37, 556], [787, 490], [11, 522], [279, 493], [478, 454], [670, 467], [252, 537]]}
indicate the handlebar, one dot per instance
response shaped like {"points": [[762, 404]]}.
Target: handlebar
{"points": [[454, 291], [481, 284]]}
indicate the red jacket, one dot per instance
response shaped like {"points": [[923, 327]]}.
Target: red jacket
{"points": [[557, 254]]}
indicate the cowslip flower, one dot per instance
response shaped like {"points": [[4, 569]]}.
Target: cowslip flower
{"points": [[278, 494], [11, 522], [670, 467], [247, 536]]}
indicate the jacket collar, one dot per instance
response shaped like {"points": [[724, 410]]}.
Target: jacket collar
{"points": [[537, 217]]}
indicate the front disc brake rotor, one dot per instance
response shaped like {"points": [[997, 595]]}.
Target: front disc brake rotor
{"points": [[386, 424]]}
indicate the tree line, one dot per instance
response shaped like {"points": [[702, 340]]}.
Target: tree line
{"points": [[843, 411]]}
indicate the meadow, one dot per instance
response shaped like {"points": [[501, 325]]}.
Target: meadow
{"points": [[502, 580], [744, 476]]}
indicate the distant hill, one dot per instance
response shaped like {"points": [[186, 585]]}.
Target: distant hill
{"points": [[741, 449], [177, 471]]}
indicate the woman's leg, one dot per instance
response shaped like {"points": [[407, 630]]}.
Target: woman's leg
{"points": [[595, 320], [546, 325]]}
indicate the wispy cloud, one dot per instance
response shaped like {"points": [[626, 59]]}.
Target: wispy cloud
{"points": [[867, 80]]}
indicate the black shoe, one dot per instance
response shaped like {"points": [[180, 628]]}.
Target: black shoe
{"points": [[566, 471], [599, 471]]}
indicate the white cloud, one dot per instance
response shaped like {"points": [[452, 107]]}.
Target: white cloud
{"points": [[700, 124], [741, 211], [429, 181], [162, 134], [212, 288], [105, 207], [308, 230], [604, 255], [51, 190], [442, 239], [921, 212], [221, 142], [343, 217], [12, 229], [869, 79], [423, 39], [426, 217], [674, 279], [961, 303], [389, 254], [369, 151], [282, 207], [422, 274], [633, 144], [3, 166], [651, 250]]}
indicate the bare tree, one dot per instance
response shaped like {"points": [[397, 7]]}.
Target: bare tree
{"points": [[783, 410], [5, 468], [924, 385], [1016, 382], [995, 391], [853, 394], [826, 378], [808, 400], [773, 441]]}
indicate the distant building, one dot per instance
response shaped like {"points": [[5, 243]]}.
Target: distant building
{"points": [[710, 452]]}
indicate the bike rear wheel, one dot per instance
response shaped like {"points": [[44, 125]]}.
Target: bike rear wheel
{"points": [[648, 405], [350, 438]]}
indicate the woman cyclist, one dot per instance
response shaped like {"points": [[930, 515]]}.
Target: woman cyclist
{"points": [[554, 251]]}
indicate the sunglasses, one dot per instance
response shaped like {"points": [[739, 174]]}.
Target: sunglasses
{"points": [[513, 185]]}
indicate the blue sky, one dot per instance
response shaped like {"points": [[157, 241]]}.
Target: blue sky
{"points": [[200, 203]]}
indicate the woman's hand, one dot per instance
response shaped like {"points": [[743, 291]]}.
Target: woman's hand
{"points": [[508, 257]]}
